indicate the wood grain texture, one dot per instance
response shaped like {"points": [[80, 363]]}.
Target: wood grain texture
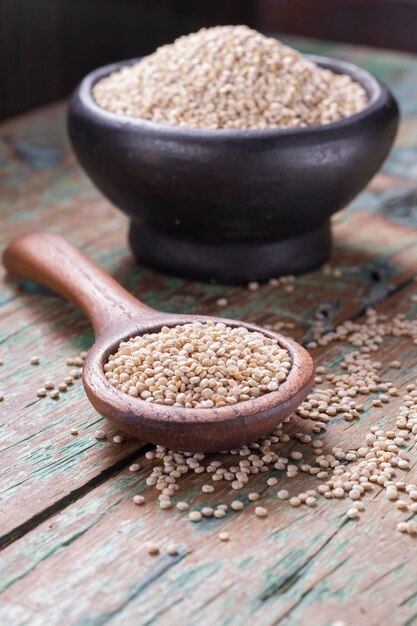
{"points": [[295, 567], [75, 552]]}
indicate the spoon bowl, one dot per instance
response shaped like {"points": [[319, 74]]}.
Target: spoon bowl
{"points": [[116, 316]]}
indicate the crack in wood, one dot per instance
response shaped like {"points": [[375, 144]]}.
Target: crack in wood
{"points": [[284, 584], [308, 591], [167, 563], [384, 575], [212, 598], [63, 544], [378, 300], [70, 498], [294, 521]]}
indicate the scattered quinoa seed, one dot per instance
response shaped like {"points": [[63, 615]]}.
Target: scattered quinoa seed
{"points": [[153, 549], [194, 516], [260, 511], [221, 302], [172, 549], [207, 511], [271, 482]]}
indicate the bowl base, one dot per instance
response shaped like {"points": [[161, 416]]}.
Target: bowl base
{"points": [[232, 262]]}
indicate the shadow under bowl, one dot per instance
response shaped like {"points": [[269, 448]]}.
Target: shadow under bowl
{"points": [[232, 205]]}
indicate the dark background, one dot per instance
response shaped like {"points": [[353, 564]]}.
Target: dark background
{"points": [[47, 46]]}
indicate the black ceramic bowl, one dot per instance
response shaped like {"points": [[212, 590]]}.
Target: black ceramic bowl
{"points": [[232, 205]]}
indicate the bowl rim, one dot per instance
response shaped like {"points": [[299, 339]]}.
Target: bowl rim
{"points": [[378, 94]]}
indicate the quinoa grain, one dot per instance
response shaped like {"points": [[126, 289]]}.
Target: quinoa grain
{"points": [[199, 364], [153, 549], [172, 549], [195, 516], [260, 511], [230, 77]]}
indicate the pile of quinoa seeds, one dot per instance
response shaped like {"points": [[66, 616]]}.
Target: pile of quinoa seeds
{"points": [[230, 77], [379, 465], [198, 365]]}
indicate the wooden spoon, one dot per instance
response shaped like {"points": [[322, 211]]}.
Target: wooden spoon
{"points": [[116, 316]]}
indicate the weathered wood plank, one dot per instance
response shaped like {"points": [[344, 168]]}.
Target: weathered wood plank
{"points": [[38, 452], [298, 566]]}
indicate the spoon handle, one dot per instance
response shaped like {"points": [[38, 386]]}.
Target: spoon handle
{"points": [[53, 262]]}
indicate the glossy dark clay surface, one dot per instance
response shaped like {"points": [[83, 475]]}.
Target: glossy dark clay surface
{"points": [[232, 205]]}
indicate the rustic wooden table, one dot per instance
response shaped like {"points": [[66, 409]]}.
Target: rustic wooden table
{"points": [[73, 541]]}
